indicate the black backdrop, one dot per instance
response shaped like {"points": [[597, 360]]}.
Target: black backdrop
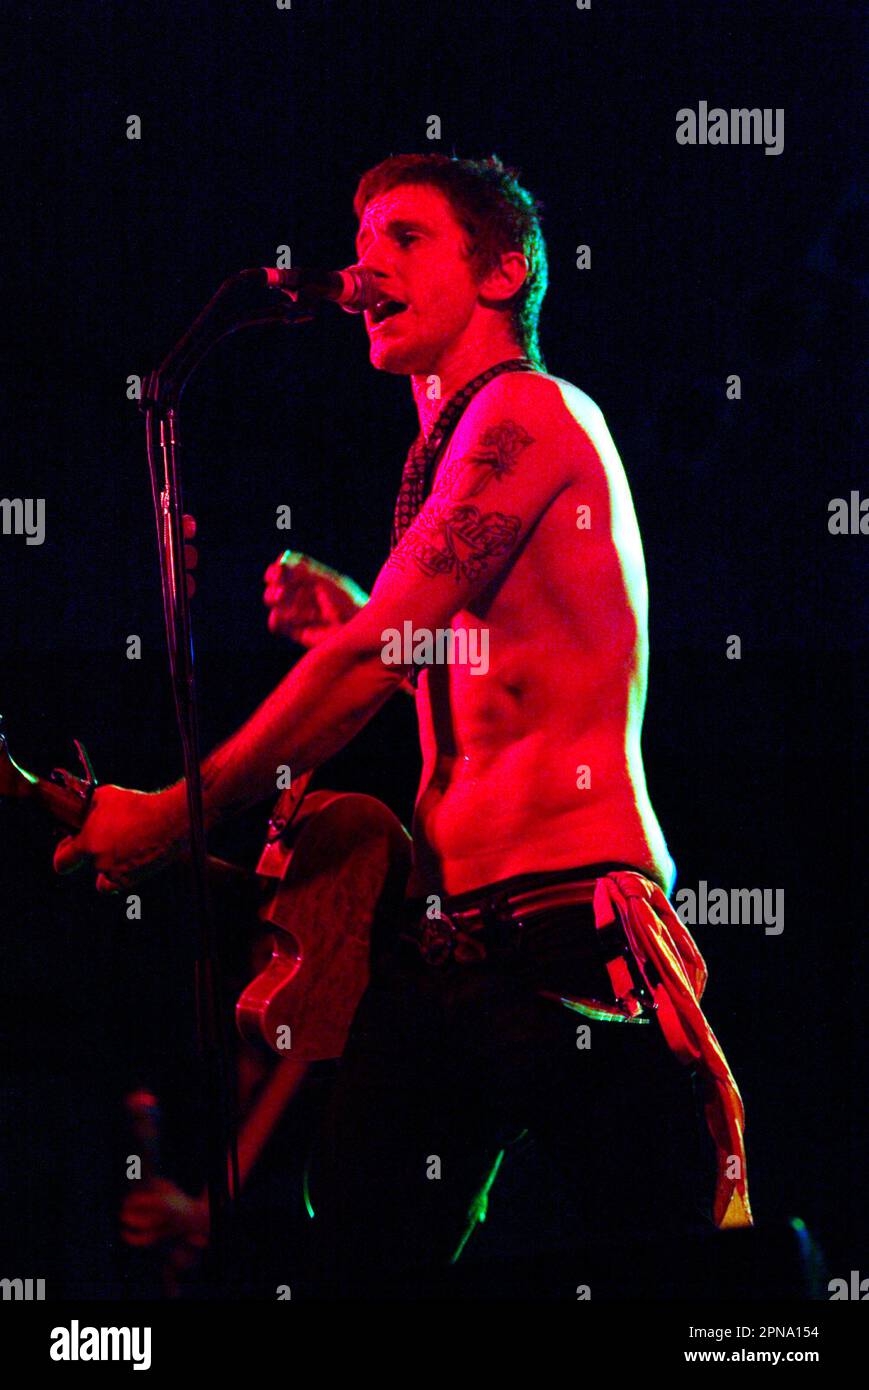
{"points": [[705, 262]]}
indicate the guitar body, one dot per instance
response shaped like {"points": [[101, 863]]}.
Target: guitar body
{"points": [[332, 882]]}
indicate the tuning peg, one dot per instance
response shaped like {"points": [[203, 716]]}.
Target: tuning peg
{"points": [[82, 786], [84, 759]]}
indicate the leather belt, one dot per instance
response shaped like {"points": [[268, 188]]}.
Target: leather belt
{"points": [[495, 923], [526, 903]]}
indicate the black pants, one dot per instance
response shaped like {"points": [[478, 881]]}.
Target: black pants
{"points": [[451, 1071]]}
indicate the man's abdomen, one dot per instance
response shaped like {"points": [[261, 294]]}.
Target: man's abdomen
{"points": [[533, 807]]}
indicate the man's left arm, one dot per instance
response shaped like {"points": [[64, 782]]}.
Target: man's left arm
{"points": [[510, 464]]}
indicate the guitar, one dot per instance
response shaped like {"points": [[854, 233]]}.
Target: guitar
{"points": [[328, 886]]}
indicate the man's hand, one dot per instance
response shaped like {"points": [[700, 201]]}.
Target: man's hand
{"points": [[127, 836], [308, 600]]}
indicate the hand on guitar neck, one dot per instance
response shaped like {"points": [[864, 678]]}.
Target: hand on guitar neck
{"points": [[146, 832], [126, 835]]}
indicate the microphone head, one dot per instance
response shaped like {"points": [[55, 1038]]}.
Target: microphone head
{"points": [[362, 291], [355, 288]]}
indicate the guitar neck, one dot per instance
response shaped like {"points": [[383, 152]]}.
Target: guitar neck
{"points": [[61, 803], [67, 807]]}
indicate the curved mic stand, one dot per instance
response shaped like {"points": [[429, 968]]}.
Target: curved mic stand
{"points": [[160, 399]]}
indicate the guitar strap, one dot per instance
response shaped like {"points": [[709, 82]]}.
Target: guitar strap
{"points": [[425, 454]]}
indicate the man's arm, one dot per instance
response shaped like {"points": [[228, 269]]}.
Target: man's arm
{"points": [[509, 467], [513, 458]]}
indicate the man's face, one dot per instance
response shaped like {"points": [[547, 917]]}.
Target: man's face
{"points": [[410, 239]]}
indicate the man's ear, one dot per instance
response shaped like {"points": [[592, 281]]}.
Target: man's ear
{"points": [[504, 280]]}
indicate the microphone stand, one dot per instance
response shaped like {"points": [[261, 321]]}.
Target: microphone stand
{"points": [[160, 400]]}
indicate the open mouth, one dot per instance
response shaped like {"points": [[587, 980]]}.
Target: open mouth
{"points": [[386, 309]]}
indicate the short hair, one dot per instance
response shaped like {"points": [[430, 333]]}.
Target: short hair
{"points": [[497, 213]]}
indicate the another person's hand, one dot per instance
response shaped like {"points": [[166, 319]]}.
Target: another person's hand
{"points": [[307, 600], [159, 1211], [127, 836], [191, 555]]}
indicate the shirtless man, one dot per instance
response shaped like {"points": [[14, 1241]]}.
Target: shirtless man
{"points": [[531, 771]]}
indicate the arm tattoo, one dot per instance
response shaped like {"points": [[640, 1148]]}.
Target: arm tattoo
{"points": [[456, 537], [495, 456]]}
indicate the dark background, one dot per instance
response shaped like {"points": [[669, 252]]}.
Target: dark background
{"points": [[706, 261]]}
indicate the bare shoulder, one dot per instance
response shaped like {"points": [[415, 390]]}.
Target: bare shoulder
{"points": [[582, 416], [555, 413]]}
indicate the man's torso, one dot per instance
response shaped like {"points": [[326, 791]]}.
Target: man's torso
{"points": [[536, 764]]}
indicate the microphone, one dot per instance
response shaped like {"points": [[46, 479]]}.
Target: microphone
{"points": [[355, 288]]}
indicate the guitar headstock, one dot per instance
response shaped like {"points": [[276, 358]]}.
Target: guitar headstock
{"points": [[66, 796], [14, 781]]}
